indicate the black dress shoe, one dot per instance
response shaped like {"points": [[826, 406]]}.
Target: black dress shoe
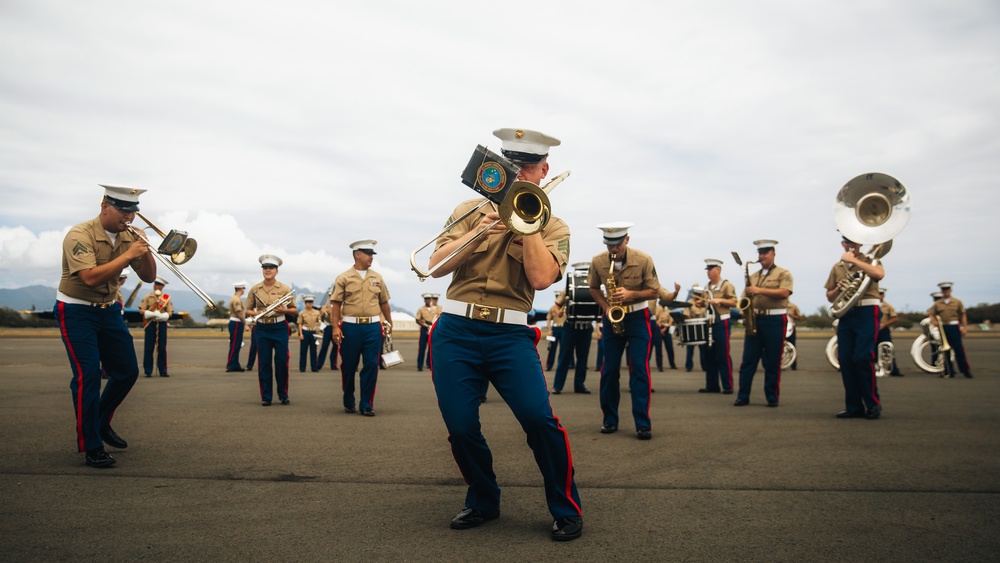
{"points": [[265, 403], [350, 410], [567, 528], [967, 376], [285, 401], [896, 374], [644, 434], [470, 518], [741, 402], [609, 429], [727, 391], [367, 412], [850, 414], [112, 439], [164, 375], [708, 390], [557, 391], [583, 390], [873, 413], [232, 370], [99, 458], [772, 404], [149, 375]]}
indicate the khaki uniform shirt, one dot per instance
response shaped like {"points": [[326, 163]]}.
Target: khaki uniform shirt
{"points": [[637, 272], [259, 297], [325, 311], [360, 297], [776, 278], [87, 246], [556, 316], [427, 314], [694, 312], [236, 308], [494, 274], [841, 271], [309, 318], [793, 312], [949, 312], [725, 290], [153, 302]]}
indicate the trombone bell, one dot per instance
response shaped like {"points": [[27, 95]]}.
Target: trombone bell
{"points": [[176, 244], [526, 208]]}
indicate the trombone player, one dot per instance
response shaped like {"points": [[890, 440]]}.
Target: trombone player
{"points": [[271, 330], [492, 287], [857, 332]]}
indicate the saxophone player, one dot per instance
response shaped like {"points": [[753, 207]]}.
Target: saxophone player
{"points": [[857, 332], [768, 290], [633, 275]]}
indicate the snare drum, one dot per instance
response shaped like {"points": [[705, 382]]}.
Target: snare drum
{"points": [[694, 332], [581, 306]]}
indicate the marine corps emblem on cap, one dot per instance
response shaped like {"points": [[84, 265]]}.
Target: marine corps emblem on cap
{"points": [[492, 177], [518, 134]]}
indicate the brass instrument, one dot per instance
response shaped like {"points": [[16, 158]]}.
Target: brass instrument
{"points": [[616, 313], [870, 209], [283, 300], [132, 296], [525, 210], [179, 247], [945, 350], [745, 304]]}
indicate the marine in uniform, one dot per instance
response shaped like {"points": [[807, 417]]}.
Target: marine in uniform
{"points": [[426, 316], [954, 325], [636, 283], [360, 295], [482, 337], [271, 330], [308, 328], [936, 296], [889, 318], [769, 290], [94, 253], [119, 297], [718, 358], [327, 342], [794, 316], [554, 321], [252, 352], [857, 332], [237, 320], [664, 322], [697, 310], [156, 308], [578, 330], [656, 345]]}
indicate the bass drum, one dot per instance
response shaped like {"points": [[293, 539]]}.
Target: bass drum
{"points": [[925, 355], [831, 352], [581, 306]]}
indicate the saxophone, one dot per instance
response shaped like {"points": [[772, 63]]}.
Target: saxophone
{"points": [[616, 313], [746, 305]]}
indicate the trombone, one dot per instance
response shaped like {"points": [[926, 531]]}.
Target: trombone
{"points": [[525, 210], [179, 247]]}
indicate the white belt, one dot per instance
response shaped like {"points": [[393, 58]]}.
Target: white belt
{"points": [[235, 319], [724, 317], [772, 311], [636, 306], [60, 296], [953, 323], [869, 302], [271, 320], [485, 312], [361, 320]]}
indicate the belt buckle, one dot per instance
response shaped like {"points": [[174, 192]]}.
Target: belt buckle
{"points": [[485, 313], [363, 320], [104, 305]]}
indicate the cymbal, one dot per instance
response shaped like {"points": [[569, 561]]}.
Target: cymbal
{"points": [[674, 304]]}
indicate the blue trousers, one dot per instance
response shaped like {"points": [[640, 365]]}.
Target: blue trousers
{"points": [[252, 353], [574, 341], [656, 344], [635, 344], [422, 349], [857, 338], [954, 335], [468, 354], [766, 348], [553, 347], [307, 347], [235, 343], [328, 344], [362, 345], [96, 338], [156, 337], [272, 346], [718, 360]]}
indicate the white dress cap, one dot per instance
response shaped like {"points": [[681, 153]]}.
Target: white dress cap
{"points": [[937, 295], [160, 281], [427, 296], [581, 265], [367, 246], [765, 243], [125, 199], [435, 295], [945, 285], [123, 275], [615, 232], [697, 289], [308, 298], [525, 145], [240, 285], [269, 260], [712, 262]]}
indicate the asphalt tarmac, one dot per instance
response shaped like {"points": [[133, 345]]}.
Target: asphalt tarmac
{"points": [[210, 475]]}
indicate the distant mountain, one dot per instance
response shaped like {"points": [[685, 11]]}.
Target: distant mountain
{"points": [[42, 298]]}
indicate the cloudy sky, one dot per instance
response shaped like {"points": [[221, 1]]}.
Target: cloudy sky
{"points": [[295, 128]]}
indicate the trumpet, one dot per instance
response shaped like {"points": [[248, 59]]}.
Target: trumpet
{"points": [[179, 247], [283, 300], [525, 210]]}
